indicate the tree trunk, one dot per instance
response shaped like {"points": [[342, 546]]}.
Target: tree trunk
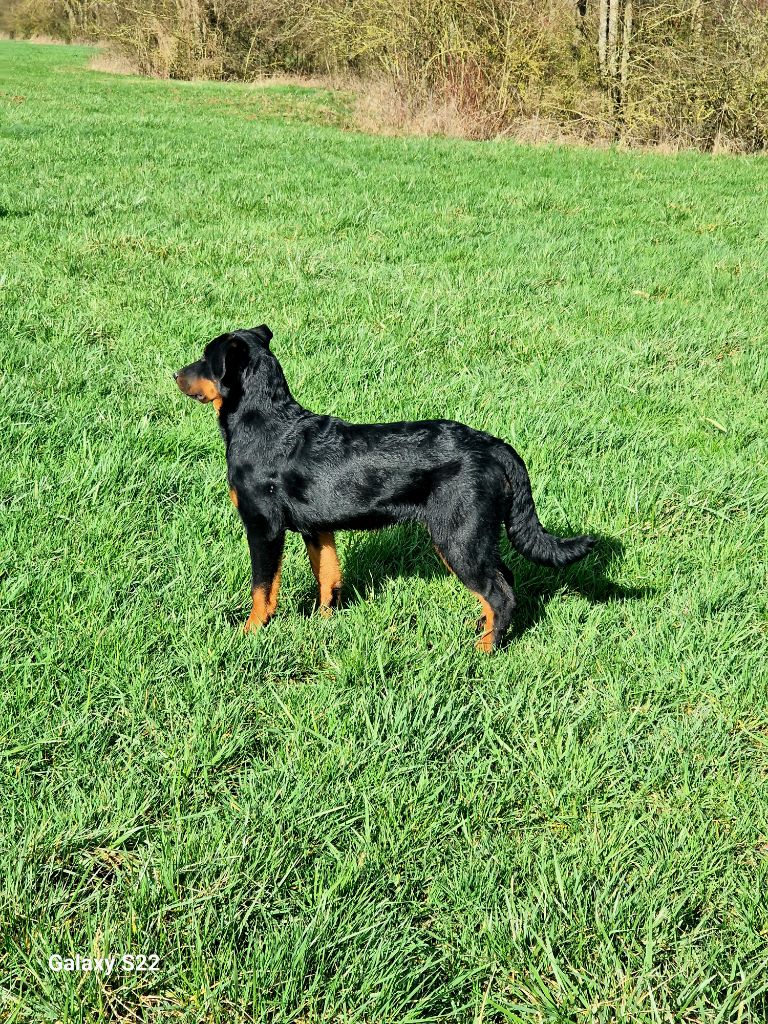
{"points": [[613, 39], [602, 38], [626, 42], [697, 18]]}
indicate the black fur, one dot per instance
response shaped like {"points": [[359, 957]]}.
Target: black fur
{"points": [[291, 469]]}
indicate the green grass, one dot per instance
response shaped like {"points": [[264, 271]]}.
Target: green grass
{"points": [[362, 819]]}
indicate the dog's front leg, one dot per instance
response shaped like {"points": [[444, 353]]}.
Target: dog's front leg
{"points": [[321, 548], [266, 558]]}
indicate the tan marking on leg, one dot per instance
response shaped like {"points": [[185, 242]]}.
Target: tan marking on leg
{"points": [[485, 641], [264, 603], [325, 565], [233, 496], [259, 615], [217, 404], [274, 590]]}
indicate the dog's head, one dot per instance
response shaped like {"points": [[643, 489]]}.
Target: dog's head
{"points": [[217, 374]]}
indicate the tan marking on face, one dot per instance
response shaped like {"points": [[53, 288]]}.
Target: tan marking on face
{"points": [[485, 641], [217, 404], [207, 389], [201, 388], [325, 566]]}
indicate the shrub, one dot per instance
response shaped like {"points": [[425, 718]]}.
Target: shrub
{"points": [[692, 73]]}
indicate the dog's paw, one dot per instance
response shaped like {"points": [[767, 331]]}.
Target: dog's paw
{"points": [[253, 624], [484, 643]]}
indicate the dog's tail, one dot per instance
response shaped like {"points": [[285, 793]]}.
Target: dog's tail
{"points": [[525, 532]]}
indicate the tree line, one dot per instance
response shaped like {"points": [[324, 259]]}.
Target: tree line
{"points": [[681, 72]]}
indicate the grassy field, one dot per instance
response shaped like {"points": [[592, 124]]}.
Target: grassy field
{"points": [[363, 819]]}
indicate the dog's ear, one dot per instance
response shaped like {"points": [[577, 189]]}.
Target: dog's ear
{"points": [[226, 357], [263, 334]]}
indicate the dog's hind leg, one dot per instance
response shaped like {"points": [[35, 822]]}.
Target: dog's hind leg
{"points": [[475, 559], [266, 560], [321, 548]]}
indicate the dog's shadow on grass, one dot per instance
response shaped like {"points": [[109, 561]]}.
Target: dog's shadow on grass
{"points": [[371, 559], [536, 585]]}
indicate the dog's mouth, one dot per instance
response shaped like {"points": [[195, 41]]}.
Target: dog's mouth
{"points": [[201, 389]]}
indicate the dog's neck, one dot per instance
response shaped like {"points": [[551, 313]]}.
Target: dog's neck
{"points": [[256, 398]]}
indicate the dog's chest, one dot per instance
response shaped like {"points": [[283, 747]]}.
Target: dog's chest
{"points": [[263, 474], [256, 488], [259, 491]]}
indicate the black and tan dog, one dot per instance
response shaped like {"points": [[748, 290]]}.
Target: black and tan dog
{"points": [[290, 469]]}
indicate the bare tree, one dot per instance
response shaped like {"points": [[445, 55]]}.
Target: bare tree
{"points": [[614, 39]]}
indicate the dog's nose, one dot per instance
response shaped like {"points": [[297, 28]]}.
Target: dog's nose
{"points": [[176, 375]]}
